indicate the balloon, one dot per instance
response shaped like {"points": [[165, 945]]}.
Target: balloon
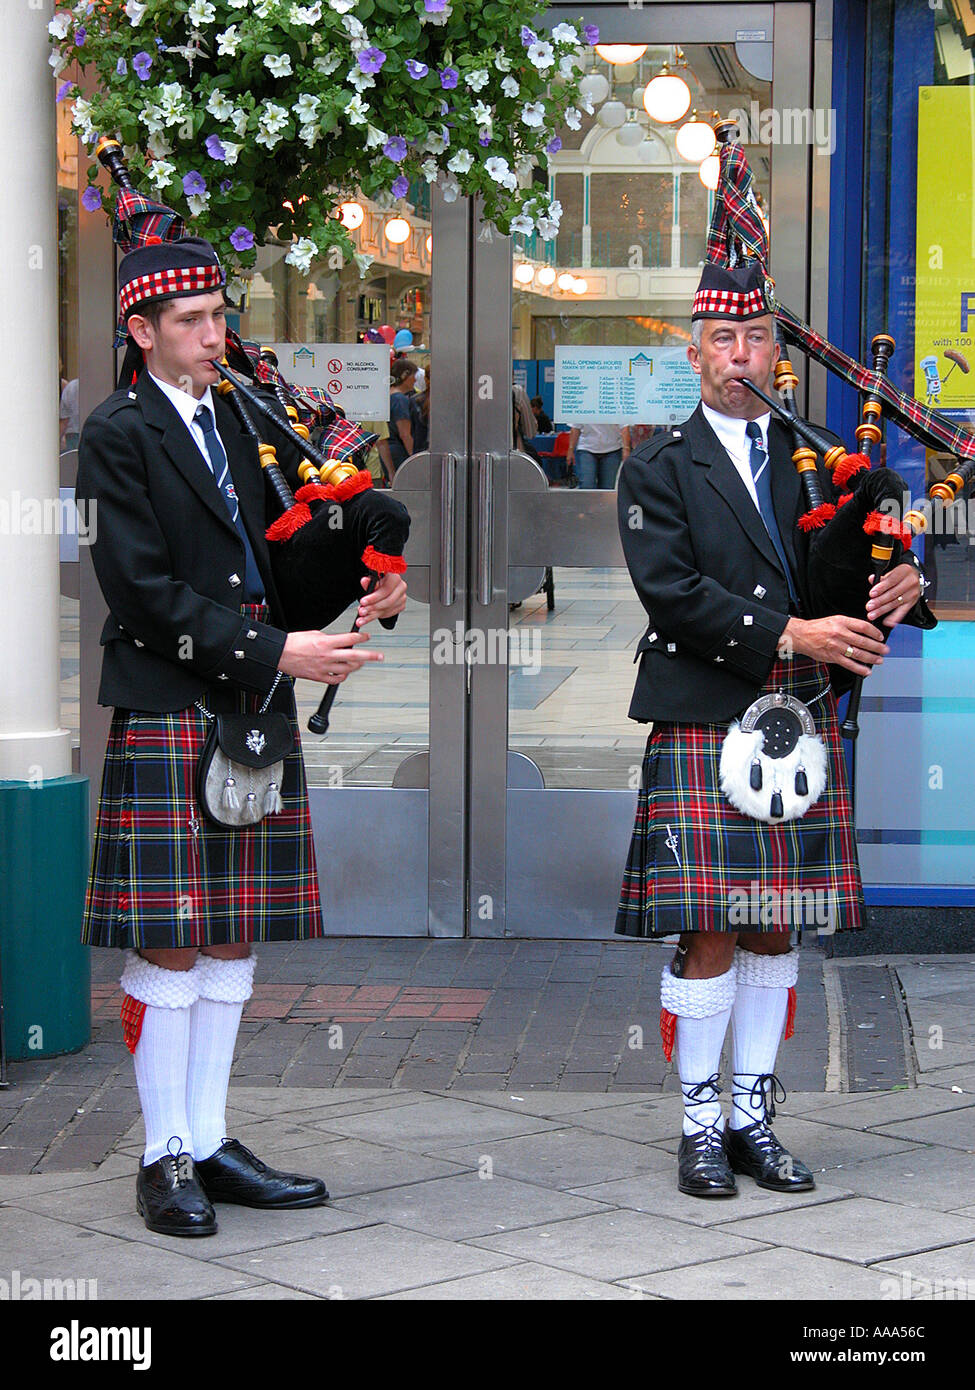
{"points": [[403, 339], [387, 334], [373, 335]]}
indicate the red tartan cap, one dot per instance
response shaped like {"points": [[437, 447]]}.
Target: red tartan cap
{"points": [[742, 293], [167, 270]]}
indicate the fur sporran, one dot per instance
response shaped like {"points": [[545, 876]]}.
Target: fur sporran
{"points": [[773, 762]]}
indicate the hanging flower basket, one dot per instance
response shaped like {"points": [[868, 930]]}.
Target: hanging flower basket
{"points": [[258, 116]]}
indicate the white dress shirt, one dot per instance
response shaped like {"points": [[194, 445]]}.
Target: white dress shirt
{"points": [[187, 406], [731, 433]]}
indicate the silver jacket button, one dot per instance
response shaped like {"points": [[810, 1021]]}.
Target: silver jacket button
{"points": [[234, 580]]}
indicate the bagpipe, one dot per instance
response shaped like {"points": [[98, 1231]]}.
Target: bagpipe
{"points": [[853, 516], [336, 529]]}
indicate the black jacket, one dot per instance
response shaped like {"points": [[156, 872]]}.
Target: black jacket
{"points": [[707, 573], [168, 557]]}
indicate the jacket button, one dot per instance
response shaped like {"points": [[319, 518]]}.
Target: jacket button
{"points": [[239, 656], [234, 580], [671, 646], [252, 633], [759, 591], [732, 642], [719, 658], [137, 642], [748, 620], [222, 677]]}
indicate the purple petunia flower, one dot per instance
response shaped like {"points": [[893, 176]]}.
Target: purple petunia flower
{"points": [[395, 149], [400, 186], [194, 183], [415, 69], [241, 239], [527, 37], [484, 138], [80, 34], [434, 6], [122, 68], [590, 33], [142, 62], [91, 198], [63, 90], [371, 60], [553, 146], [214, 148], [448, 77], [160, 45], [225, 185]]}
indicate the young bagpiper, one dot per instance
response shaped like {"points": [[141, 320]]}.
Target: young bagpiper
{"points": [[708, 515], [195, 629]]}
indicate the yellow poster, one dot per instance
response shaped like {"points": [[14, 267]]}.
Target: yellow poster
{"points": [[944, 334]]}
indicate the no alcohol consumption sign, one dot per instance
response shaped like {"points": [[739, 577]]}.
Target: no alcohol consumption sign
{"points": [[355, 375]]}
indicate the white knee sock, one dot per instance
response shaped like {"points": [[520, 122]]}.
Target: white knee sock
{"points": [[224, 987], [162, 1052], [757, 1021], [703, 1008]]}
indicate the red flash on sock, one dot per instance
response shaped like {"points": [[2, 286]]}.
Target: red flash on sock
{"points": [[668, 1032], [133, 1012]]}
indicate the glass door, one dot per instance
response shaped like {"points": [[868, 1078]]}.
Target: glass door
{"points": [[555, 762]]}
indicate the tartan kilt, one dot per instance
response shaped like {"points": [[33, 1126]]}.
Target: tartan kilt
{"points": [[697, 864], [157, 882]]}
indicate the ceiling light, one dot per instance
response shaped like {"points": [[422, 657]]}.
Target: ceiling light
{"points": [[353, 215], [612, 115], [566, 280], [709, 171], [546, 276], [667, 97], [524, 273], [594, 86], [621, 52], [397, 230], [632, 132], [695, 140]]}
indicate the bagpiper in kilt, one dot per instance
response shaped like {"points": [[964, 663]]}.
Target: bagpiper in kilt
{"points": [[708, 516], [195, 634]]}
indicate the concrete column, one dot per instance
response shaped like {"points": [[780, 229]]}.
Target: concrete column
{"points": [[33, 746]]}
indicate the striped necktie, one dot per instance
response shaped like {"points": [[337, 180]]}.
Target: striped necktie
{"points": [[761, 473], [220, 468]]}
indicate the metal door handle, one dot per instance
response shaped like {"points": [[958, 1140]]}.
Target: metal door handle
{"points": [[448, 507], [485, 533]]}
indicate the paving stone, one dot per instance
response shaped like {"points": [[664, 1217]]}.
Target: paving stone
{"points": [[955, 1130], [563, 1158], [859, 1229], [792, 1274], [350, 1166], [948, 1273], [642, 1121], [263, 1292], [657, 1193], [437, 1123], [618, 1244], [523, 1282], [825, 1147], [366, 1262], [468, 1205], [936, 1179]]}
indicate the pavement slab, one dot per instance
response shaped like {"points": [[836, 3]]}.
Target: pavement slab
{"points": [[657, 1193], [564, 1158], [792, 1274], [859, 1229], [520, 1282]]}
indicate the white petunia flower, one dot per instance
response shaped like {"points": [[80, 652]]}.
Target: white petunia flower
{"points": [[152, 118], [237, 4], [341, 6], [510, 87], [477, 79], [573, 118], [497, 168], [59, 26], [327, 63], [567, 67], [429, 170], [586, 102], [278, 64], [273, 117], [81, 114], [158, 146], [460, 162], [356, 110], [438, 18], [200, 12], [533, 113], [524, 166], [360, 80], [230, 151], [228, 41], [134, 11], [541, 55], [236, 289], [435, 143], [310, 134], [267, 138], [57, 62], [481, 113], [306, 14], [161, 173], [238, 119], [306, 107], [522, 223], [173, 104], [219, 105], [501, 61], [302, 253], [565, 33], [197, 203], [548, 221], [449, 187], [374, 137], [262, 8], [353, 27]]}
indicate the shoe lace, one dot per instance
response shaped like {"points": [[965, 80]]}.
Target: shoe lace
{"points": [[765, 1090], [182, 1161], [258, 1163], [709, 1136]]}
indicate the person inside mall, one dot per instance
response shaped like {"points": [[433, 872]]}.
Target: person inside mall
{"points": [[742, 835], [194, 630]]}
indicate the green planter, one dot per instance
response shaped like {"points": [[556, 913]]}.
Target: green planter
{"points": [[45, 972]]}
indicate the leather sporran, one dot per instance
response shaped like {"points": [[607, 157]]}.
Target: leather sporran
{"points": [[239, 774]]}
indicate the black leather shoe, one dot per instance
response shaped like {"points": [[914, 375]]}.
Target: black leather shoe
{"points": [[756, 1152], [170, 1199], [702, 1167], [234, 1174]]}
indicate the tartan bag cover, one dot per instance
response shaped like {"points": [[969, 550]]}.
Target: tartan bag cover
{"points": [[697, 864], [162, 876]]}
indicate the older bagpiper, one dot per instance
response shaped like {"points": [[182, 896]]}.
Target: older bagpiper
{"points": [[708, 515], [195, 628]]}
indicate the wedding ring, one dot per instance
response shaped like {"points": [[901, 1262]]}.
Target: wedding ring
{"points": [[848, 653]]}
